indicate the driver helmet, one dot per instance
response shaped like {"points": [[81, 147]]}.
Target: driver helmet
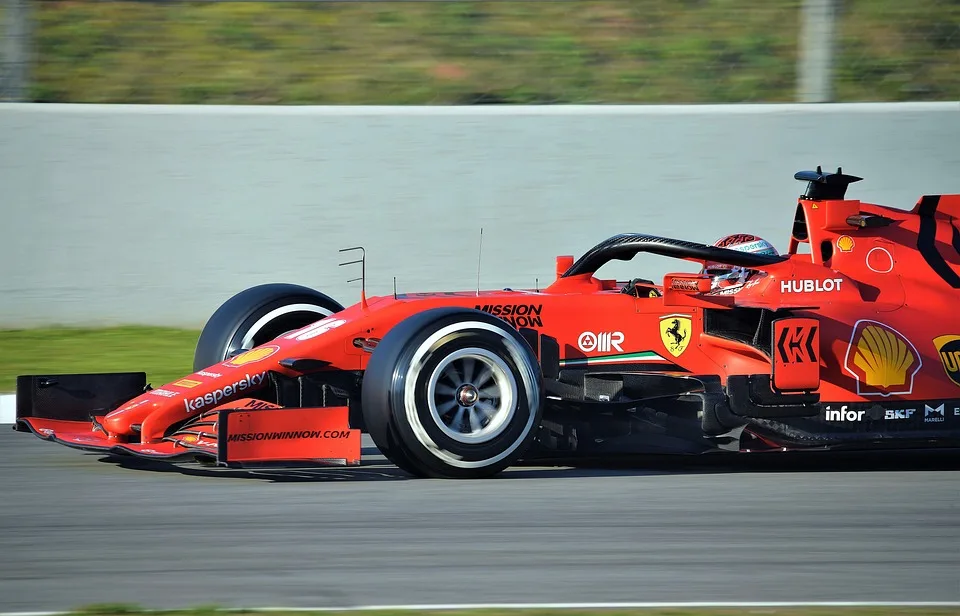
{"points": [[723, 274]]}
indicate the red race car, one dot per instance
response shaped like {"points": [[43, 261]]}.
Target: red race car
{"points": [[853, 343]]}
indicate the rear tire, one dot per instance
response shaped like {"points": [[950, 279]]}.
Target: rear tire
{"points": [[256, 316], [452, 393]]}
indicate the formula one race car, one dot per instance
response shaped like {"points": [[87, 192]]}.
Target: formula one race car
{"points": [[853, 344]]}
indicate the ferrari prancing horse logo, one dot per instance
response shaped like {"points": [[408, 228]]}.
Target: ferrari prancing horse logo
{"points": [[675, 333]]}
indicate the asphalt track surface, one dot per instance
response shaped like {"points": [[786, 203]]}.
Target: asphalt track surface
{"points": [[81, 530]]}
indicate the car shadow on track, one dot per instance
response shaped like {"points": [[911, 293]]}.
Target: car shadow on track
{"points": [[786, 462], [375, 468]]}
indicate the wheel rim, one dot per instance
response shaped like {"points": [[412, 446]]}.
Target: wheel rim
{"points": [[471, 395]]}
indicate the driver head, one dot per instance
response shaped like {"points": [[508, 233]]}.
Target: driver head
{"points": [[723, 274]]}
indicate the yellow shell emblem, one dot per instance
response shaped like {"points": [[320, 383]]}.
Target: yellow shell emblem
{"points": [[251, 356], [675, 333], [844, 243], [881, 359]]}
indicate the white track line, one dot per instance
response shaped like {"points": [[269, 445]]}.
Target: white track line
{"points": [[563, 606], [8, 409]]}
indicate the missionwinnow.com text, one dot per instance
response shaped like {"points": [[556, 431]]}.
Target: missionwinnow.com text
{"points": [[280, 436]]}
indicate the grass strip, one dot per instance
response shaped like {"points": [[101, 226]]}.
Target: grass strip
{"points": [[467, 52], [163, 353]]}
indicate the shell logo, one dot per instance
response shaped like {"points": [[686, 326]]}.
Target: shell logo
{"points": [[248, 357], [881, 359], [845, 243]]}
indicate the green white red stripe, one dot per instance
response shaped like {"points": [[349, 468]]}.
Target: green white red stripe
{"points": [[642, 357]]}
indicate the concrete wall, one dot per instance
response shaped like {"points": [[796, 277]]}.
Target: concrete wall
{"points": [[157, 214]]}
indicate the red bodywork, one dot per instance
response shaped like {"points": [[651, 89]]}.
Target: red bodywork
{"points": [[873, 319]]}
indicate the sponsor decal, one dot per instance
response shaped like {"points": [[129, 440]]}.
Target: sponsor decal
{"points": [[829, 285], [933, 414], [758, 245], [248, 357], [949, 349], [164, 393], [795, 344], [212, 375], [737, 238], [845, 243], [315, 329], [601, 341], [844, 413], [195, 440], [257, 405], [283, 436], [675, 333], [220, 395], [518, 315], [642, 357], [187, 383], [135, 404], [898, 413], [685, 284], [881, 359], [740, 286], [93, 440], [894, 412]]}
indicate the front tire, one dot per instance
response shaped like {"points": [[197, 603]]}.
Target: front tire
{"points": [[453, 393], [256, 316]]}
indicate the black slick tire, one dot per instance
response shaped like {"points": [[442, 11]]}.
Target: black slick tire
{"points": [[432, 425], [257, 315]]}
